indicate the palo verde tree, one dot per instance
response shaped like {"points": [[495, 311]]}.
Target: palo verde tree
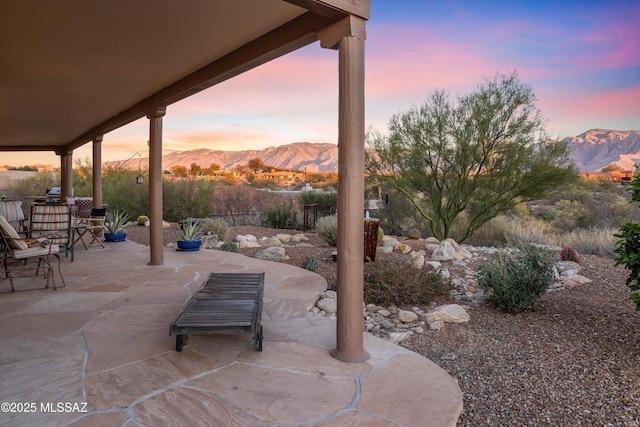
{"points": [[462, 163]]}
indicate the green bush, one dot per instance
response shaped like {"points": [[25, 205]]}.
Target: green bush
{"points": [[310, 263], [516, 280], [217, 226], [393, 281], [327, 229], [229, 247], [628, 247], [310, 197], [283, 216]]}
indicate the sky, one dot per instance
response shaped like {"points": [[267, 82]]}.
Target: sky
{"points": [[581, 57]]}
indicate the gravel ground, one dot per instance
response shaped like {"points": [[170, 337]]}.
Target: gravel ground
{"points": [[572, 361]]}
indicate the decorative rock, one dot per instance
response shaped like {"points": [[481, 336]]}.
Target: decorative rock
{"points": [[431, 241], [165, 224], [462, 253], [398, 337], [431, 246], [434, 325], [402, 248], [283, 237], [304, 245], [243, 244], [449, 313], [389, 241], [384, 313], [299, 238], [417, 259], [444, 272], [413, 233], [568, 265], [444, 252], [384, 249], [272, 254], [329, 305], [270, 242], [452, 242], [248, 238], [435, 265], [407, 316], [210, 241]]}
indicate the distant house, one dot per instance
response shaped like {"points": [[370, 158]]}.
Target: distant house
{"points": [[281, 178], [622, 177]]}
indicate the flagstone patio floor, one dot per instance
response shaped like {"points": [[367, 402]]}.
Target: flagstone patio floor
{"points": [[98, 353]]}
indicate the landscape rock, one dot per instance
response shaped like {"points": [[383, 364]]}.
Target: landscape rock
{"points": [[444, 252], [329, 305], [384, 249], [274, 253], [210, 241], [413, 233], [431, 241], [434, 325], [398, 337], [451, 242], [244, 244], [270, 242], [448, 313], [389, 241], [407, 316], [401, 248], [563, 266], [283, 237], [417, 259], [299, 238]]}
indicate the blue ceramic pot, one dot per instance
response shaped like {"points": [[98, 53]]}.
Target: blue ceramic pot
{"points": [[115, 237], [191, 245]]}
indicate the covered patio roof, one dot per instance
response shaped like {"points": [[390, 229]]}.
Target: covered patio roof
{"points": [[71, 70]]}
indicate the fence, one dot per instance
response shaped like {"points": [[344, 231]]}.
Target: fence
{"points": [[315, 211]]}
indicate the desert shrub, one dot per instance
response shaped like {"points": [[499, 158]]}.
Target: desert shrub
{"points": [[516, 280], [492, 233], [283, 216], [217, 226], [229, 247], [521, 232], [327, 229], [310, 263], [310, 197], [244, 205], [187, 198], [391, 281], [600, 242], [628, 247], [572, 214], [568, 253]]}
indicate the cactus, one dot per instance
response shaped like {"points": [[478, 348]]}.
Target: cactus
{"points": [[310, 263], [142, 219], [229, 247], [380, 234], [568, 253]]}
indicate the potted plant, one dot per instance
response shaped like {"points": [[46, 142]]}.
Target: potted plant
{"points": [[116, 227], [191, 236]]}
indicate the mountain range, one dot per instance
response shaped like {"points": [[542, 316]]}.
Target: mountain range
{"points": [[591, 151]]}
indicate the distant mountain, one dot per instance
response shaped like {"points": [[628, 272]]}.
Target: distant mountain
{"points": [[591, 151], [321, 157], [597, 148]]}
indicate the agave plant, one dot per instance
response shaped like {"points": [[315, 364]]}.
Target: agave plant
{"points": [[191, 231], [117, 222]]}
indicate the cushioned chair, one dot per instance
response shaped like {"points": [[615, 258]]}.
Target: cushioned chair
{"points": [[12, 211], [17, 253], [52, 221]]}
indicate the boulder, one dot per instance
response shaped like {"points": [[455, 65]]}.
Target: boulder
{"points": [[413, 233], [417, 259], [384, 249], [452, 242], [431, 241], [407, 316], [389, 241], [299, 238], [329, 305], [243, 244], [270, 242], [274, 253], [449, 313], [568, 265], [283, 237], [401, 248], [462, 253], [444, 252]]}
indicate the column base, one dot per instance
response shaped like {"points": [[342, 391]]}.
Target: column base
{"points": [[155, 263], [350, 357]]}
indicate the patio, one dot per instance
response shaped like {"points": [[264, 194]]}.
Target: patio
{"points": [[103, 340]]}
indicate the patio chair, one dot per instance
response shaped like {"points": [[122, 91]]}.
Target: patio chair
{"points": [[12, 211], [18, 253], [52, 221], [91, 226]]}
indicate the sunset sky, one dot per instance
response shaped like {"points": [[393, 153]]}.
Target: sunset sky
{"points": [[583, 63]]}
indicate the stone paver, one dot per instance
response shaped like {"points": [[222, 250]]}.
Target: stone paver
{"points": [[103, 340]]}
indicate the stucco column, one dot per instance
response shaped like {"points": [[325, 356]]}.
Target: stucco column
{"points": [[155, 185], [66, 175], [97, 171], [349, 333]]}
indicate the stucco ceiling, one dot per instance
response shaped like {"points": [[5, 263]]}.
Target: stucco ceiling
{"points": [[70, 69]]}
